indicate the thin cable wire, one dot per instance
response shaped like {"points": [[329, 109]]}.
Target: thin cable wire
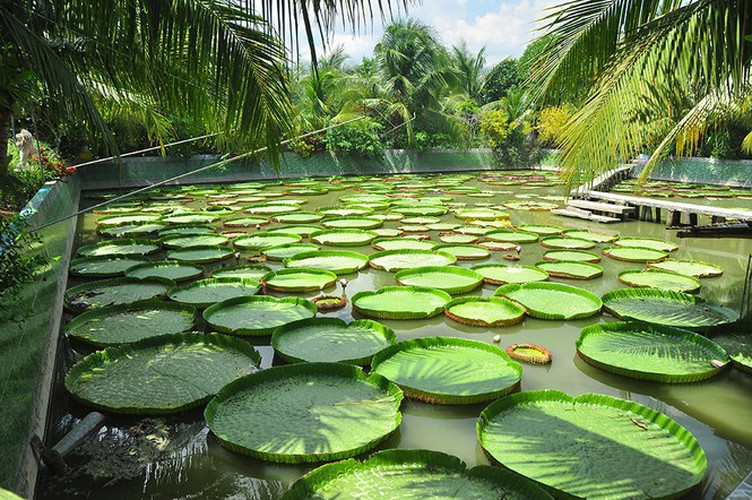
{"points": [[188, 174]]}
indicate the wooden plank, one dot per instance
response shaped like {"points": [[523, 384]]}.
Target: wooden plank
{"points": [[728, 213], [601, 207], [582, 214]]}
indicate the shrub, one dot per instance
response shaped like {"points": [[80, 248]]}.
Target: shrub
{"points": [[19, 260], [510, 140], [551, 123], [359, 138]]}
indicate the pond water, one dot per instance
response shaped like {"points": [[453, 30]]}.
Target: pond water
{"points": [[177, 457]]}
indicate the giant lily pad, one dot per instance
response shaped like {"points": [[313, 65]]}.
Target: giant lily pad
{"points": [[257, 315], [201, 255], [391, 473], [401, 302], [332, 340], [447, 370], [736, 339], [402, 244], [166, 374], [246, 221], [338, 262], [568, 243], [450, 279], [592, 446], [299, 280], [648, 352], [688, 267], [665, 307], [552, 300], [484, 311], [571, 269], [113, 292], [119, 248], [499, 274], [104, 267], [190, 218], [344, 237], [265, 239], [397, 260], [634, 254], [653, 243], [352, 223], [572, 256], [657, 278], [594, 236], [306, 412], [126, 219], [512, 235], [204, 293], [480, 214], [127, 323], [252, 272], [131, 230], [465, 252], [194, 240], [303, 230], [283, 252], [173, 271], [540, 229]]}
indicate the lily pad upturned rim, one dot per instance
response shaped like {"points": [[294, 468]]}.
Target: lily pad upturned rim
{"points": [[97, 357], [104, 259], [271, 254], [211, 281], [154, 247], [75, 290], [544, 353], [107, 311], [369, 236], [451, 259], [593, 257], [311, 484], [403, 314], [155, 264], [222, 252], [511, 288], [450, 342], [365, 222], [375, 244], [453, 270], [479, 252], [497, 265], [674, 428], [627, 327], [362, 258], [715, 272], [623, 277], [665, 246], [325, 369], [238, 242], [550, 267], [581, 243], [513, 320], [279, 333], [208, 312], [332, 277], [649, 254]]}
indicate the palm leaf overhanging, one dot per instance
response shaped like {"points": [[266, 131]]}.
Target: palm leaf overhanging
{"points": [[659, 72], [219, 61]]}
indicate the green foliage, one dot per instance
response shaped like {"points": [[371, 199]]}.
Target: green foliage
{"points": [[359, 138], [502, 77], [19, 257], [551, 124], [509, 139]]}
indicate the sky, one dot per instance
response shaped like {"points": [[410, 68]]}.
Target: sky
{"points": [[504, 27]]}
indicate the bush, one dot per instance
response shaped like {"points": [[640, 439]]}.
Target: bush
{"points": [[19, 260], [360, 138], [510, 140], [551, 123]]}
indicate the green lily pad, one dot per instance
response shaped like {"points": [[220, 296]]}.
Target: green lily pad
{"points": [[512, 235], [450, 279], [204, 293], [344, 211], [391, 473], [500, 274], [569, 243], [657, 278], [338, 262], [299, 280], [480, 214], [201, 255], [119, 248], [552, 300], [352, 223], [160, 375], [173, 271], [447, 370], [464, 252], [104, 267], [571, 269], [344, 237], [303, 230], [194, 240], [298, 218], [694, 268], [265, 239], [649, 352], [283, 252], [252, 272], [457, 238], [126, 219], [401, 302], [192, 218], [127, 323], [131, 230], [736, 339], [271, 209], [652, 243], [541, 229], [634, 254], [320, 411], [571, 256], [245, 221], [185, 230], [113, 292], [592, 446], [665, 307], [484, 311], [257, 315], [402, 244], [398, 260], [332, 340], [593, 236]]}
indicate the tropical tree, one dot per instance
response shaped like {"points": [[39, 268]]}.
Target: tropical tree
{"points": [[469, 68], [640, 60], [220, 61]]}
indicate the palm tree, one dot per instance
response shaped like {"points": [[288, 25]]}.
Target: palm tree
{"points": [[641, 59], [220, 61], [470, 69]]}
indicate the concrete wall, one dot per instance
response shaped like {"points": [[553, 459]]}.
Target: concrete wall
{"points": [[734, 173], [29, 328]]}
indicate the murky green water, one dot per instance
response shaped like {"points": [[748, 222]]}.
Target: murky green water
{"points": [[193, 465]]}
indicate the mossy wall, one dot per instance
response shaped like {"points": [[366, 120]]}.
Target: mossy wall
{"points": [[29, 325]]}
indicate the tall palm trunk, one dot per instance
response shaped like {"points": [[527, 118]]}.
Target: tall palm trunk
{"points": [[4, 131]]}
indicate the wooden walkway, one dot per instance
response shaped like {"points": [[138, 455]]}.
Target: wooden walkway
{"points": [[604, 181]]}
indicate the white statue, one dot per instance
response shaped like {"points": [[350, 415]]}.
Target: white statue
{"points": [[26, 148]]}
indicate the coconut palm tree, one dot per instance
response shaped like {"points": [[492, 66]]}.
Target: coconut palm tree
{"points": [[470, 69], [641, 60], [222, 61]]}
